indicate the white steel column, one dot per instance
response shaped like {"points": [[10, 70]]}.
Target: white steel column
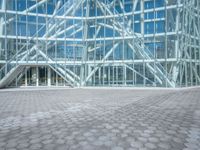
{"points": [[3, 5], [49, 76], [37, 76], [177, 50], [89, 71], [125, 75], [26, 83], [85, 36], [142, 33]]}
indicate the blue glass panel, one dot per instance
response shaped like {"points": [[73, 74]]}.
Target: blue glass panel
{"points": [[137, 28], [160, 3], [21, 5], [160, 14], [149, 4], [160, 26], [138, 6], [149, 15], [137, 17], [149, 27]]}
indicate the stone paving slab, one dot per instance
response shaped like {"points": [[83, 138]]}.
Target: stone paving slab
{"points": [[100, 119]]}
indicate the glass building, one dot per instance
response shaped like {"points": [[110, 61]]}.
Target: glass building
{"points": [[134, 43]]}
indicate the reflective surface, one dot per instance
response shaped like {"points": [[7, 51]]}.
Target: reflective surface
{"points": [[100, 43]]}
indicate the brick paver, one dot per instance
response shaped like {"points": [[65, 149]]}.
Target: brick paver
{"points": [[100, 119]]}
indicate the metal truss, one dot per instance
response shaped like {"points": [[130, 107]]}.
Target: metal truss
{"points": [[94, 33]]}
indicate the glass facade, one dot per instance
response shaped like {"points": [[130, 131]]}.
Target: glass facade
{"points": [[134, 43]]}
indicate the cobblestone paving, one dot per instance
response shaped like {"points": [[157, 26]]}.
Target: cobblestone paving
{"points": [[100, 119]]}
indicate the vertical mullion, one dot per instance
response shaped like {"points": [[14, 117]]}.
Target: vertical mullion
{"points": [[5, 28], [133, 55], [166, 45], [154, 38], [65, 45]]}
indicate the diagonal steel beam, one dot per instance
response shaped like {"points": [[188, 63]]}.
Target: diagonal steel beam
{"points": [[143, 76], [102, 62], [72, 80], [160, 75]]}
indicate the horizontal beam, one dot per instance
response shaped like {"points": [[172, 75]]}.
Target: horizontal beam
{"points": [[90, 17], [76, 62], [88, 40]]}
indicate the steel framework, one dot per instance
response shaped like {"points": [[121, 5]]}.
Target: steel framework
{"points": [[153, 43]]}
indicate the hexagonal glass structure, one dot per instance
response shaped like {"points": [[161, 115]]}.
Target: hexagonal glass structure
{"points": [[143, 43]]}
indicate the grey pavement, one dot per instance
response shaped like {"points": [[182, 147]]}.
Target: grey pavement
{"points": [[100, 119]]}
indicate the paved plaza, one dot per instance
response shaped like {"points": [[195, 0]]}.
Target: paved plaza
{"points": [[100, 119]]}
